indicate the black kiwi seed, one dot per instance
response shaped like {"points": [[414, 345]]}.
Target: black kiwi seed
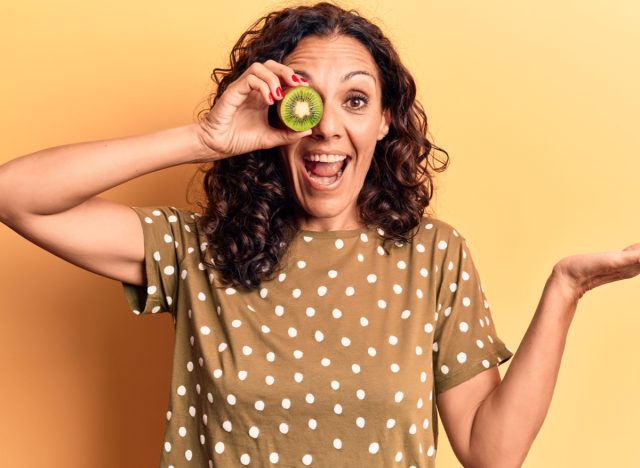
{"points": [[301, 108]]}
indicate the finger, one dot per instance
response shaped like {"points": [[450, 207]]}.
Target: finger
{"points": [[285, 137], [256, 84], [268, 75], [285, 75]]}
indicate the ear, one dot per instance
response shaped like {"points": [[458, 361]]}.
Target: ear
{"points": [[384, 124]]}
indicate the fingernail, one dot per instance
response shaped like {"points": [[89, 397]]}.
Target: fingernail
{"points": [[279, 91], [302, 79], [295, 78], [271, 98]]}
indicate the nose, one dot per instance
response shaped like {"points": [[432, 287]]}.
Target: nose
{"points": [[330, 125]]}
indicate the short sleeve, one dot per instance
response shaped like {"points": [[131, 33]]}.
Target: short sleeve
{"points": [[465, 339], [164, 243]]}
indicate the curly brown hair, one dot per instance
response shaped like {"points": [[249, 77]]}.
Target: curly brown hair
{"points": [[249, 216]]}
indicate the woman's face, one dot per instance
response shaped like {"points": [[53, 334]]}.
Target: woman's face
{"points": [[342, 70]]}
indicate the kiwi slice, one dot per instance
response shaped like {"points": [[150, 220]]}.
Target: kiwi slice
{"points": [[300, 108]]}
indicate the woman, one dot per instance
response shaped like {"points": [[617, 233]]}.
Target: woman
{"points": [[327, 345]]}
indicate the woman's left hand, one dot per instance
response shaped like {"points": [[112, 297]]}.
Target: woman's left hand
{"points": [[584, 272]]}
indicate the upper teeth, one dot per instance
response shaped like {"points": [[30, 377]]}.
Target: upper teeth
{"points": [[325, 157]]}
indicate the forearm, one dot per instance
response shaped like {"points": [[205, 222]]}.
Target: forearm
{"points": [[508, 420], [58, 178]]}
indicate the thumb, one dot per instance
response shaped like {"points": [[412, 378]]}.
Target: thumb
{"points": [[285, 137]]}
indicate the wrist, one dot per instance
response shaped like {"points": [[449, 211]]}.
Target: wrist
{"points": [[206, 152]]}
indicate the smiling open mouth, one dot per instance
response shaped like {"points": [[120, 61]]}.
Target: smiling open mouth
{"points": [[326, 170]]}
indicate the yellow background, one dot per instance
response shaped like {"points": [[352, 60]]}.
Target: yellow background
{"points": [[535, 101]]}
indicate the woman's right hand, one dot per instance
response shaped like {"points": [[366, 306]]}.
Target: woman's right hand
{"points": [[238, 122]]}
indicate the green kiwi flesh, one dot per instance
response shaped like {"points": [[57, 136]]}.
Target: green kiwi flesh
{"points": [[300, 108]]}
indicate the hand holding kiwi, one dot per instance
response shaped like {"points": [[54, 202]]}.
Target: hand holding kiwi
{"points": [[238, 123]]}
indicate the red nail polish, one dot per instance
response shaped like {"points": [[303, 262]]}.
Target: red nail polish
{"points": [[295, 78], [301, 78], [271, 98], [279, 91]]}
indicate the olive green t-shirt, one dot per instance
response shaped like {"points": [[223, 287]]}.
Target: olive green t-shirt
{"points": [[335, 362]]}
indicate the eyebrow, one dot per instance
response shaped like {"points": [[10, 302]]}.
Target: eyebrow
{"points": [[344, 78]]}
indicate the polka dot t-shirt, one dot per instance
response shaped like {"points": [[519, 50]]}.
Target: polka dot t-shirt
{"points": [[336, 361]]}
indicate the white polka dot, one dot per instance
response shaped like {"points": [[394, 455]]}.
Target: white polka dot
{"points": [[402, 264], [412, 429], [242, 375], [148, 220], [364, 237], [310, 311], [453, 287], [254, 431], [306, 459], [391, 423], [297, 353], [318, 335], [466, 301], [152, 289], [479, 344], [382, 303], [332, 273], [307, 238], [247, 350], [312, 423], [269, 379], [309, 398], [298, 377], [364, 321], [360, 422], [292, 332], [398, 396], [286, 403], [182, 431], [337, 313], [264, 292], [201, 296], [444, 369], [168, 239], [231, 399], [169, 270], [393, 340], [397, 288], [360, 394], [322, 290], [372, 278], [398, 457], [337, 443], [279, 310], [461, 357], [485, 363], [284, 428], [360, 257], [442, 245], [339, 243], [405, 314], [380, 250], [302, 264], [428, 328], [182, 390], [192, 411], [465, 275], [236, 323], [245, 459], [274, 457], [337, 408], [350, 291], [463, 326], [420, 248], [424, 272], [355, 368], [188, 454], [374, 447], [259, 405], [395, 367], [167, 446], [431, 451], [296, 293], [230, 291], [371, 351], [205, 330], [345, 341]]}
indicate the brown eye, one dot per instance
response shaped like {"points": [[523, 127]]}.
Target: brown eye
{"points": [[358, 101]]}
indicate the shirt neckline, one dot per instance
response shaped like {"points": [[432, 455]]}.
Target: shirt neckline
{"points": [[341, 233]]}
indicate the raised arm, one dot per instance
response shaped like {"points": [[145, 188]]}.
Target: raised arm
{"points": [[50, 197], [492, 423]]}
